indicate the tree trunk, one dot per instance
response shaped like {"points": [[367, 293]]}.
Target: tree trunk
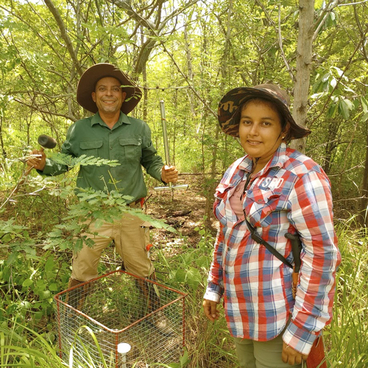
{"points": [[303, 66], [2, 146], [145, 89], [212, 183], [364, 200]]}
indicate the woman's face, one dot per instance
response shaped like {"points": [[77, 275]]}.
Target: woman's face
{"points": [[260, 130]]}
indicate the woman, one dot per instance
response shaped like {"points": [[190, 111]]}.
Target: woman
{"points": [[276, 190]]}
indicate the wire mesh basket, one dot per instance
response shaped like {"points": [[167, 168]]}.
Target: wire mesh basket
{"points": [[120, 320]]}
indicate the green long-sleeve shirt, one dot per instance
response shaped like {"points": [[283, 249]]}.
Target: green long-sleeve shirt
{"points": [[129, 142]]}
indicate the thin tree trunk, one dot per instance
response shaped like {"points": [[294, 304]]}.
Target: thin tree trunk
{"points": [[145, 89], [364, 201], [3, 151], [212, 183], [303, 66], [188, 54]]}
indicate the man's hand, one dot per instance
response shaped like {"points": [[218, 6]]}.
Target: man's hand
{"points": [[37, 160], [169, 174], [210, 309], [291, 356]]}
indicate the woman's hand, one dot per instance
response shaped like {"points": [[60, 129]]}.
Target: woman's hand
{"points": [[291, 356], [210, 309]]}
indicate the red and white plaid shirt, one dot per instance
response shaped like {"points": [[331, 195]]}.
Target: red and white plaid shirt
{"points": [[291, 194]]}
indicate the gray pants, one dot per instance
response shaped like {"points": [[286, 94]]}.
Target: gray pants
{"points": [[261, 354]]}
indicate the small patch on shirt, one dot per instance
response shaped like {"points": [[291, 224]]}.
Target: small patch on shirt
{"points": [[269, 183]]}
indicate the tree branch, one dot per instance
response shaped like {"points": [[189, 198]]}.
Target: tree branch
{"points": [[292, 76], [339, 80], [155, 33], [322, 19], [67, 116], [54, 11], [278, 32]]}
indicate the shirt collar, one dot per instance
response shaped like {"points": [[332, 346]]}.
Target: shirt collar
{"points": [[123, 119], [277, 160]]}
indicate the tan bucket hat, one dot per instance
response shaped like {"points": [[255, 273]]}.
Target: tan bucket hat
{"points": [[230, 104], [92, 75]]}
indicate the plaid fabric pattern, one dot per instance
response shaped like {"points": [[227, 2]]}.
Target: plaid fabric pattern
{"points": [[291, 194]]}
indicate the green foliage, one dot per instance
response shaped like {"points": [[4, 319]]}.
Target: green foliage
{"points": [[82, 160], [189, 269], [26, 348], [213, 50], [27, 281], [82, 357], [93, 207], [33, 267], [191, 53], [346, 336]]}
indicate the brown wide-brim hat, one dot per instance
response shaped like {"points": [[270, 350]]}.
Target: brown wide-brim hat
{"points": [[91, 76], [231, 104]]}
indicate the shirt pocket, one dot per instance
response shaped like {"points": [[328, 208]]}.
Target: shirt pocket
{"points": [[130, 149], [264, 206], [90, 148]]}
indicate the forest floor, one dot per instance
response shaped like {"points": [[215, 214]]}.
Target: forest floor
{"points": [[183, 209]]}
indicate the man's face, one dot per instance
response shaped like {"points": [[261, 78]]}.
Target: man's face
{"points": [[108, 95]]}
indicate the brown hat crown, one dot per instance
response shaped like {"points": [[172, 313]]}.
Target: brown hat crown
{"points": [[91, 76], [231, 104]]}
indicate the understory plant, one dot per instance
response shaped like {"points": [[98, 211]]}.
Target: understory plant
{"points": [[346, 337], [35, 265], [40, 226]]}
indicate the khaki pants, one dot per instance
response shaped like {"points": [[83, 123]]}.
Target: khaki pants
{"points": [[261, 354], [130, 239]]}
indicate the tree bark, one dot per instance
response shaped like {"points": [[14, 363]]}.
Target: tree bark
{"points": [[2, 146], [224, 71], [364, 200], [303, 66]]}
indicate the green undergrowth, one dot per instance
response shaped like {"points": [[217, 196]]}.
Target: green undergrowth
{"points": [[35, 251]]}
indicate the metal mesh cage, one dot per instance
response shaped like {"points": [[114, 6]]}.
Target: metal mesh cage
{"points": [[120, 320]]}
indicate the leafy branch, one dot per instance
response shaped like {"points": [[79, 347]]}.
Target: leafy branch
{"points": [[94, 207], [83, 160]]}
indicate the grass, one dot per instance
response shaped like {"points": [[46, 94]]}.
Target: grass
{"points": [[26, 349], [346, 337]]}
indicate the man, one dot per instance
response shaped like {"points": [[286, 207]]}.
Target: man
{"points": [[111, 134]]}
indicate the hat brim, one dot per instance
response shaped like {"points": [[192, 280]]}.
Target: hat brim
{"points": [[228, 110], [92, 75]]}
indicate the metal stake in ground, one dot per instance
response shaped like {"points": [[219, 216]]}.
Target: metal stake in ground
{"points": [[167, 154], [164, 132]]}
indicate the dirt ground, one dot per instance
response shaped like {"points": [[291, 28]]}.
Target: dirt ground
{"points": [[183, 209]]}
